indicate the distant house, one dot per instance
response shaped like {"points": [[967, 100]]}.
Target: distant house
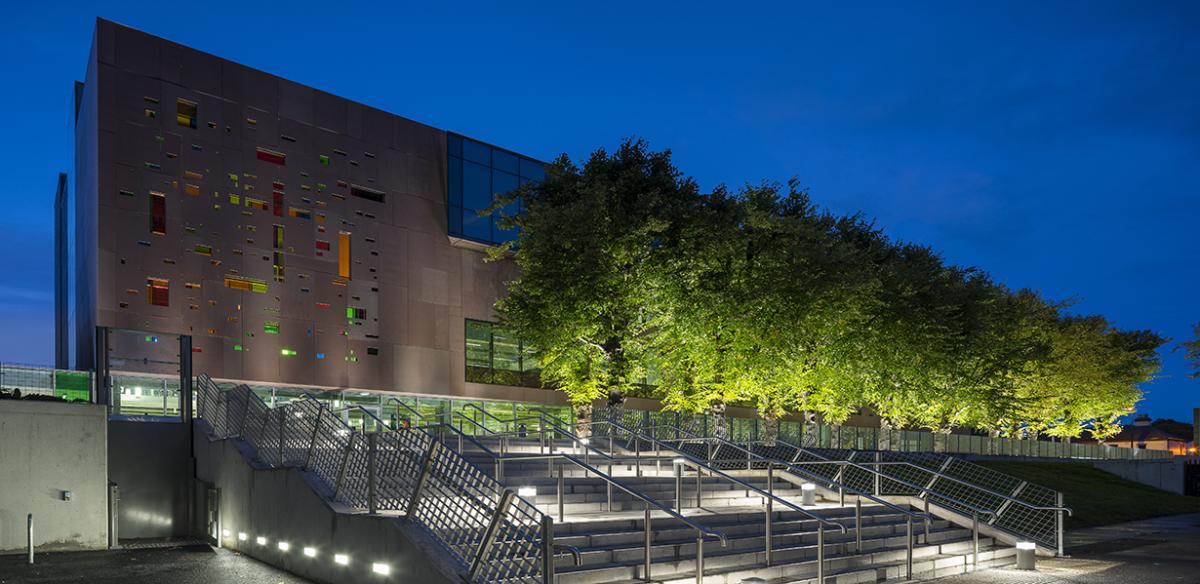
{"points": [[1159, 435]]}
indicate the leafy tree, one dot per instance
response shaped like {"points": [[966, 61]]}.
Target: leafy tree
{"points": [[584, 246], [1191, 351]]}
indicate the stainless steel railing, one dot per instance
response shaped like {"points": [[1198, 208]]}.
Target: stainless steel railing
{"points": [[678, 462], [490, 532]]}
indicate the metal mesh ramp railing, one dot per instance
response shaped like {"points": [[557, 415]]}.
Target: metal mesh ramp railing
{"points": [[492, 534], [1020, 508]]}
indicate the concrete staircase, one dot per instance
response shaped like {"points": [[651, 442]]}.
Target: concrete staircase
{"points": [[609, 530]]}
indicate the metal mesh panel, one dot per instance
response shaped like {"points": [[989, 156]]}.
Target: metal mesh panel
{"points": [[457, 502]]}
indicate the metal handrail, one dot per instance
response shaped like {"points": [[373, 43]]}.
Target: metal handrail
{"points": [[220, 411], [712, 471], [700, 466], [931, 471], [486, 413], [843, 487], [702, 530], [414, 411]]}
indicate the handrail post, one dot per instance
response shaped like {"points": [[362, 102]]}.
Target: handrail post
{"points": [[282, 417], [29, 536], [841, 487], [877, 472], [637, 457], [975, 540], [699, 557], [500, 460], [927, 521], [646, 545], [678, 486], [419, 486], [767, 531], [1058, 527], [489, 536], [372, 470], [858, 525], [609, 486], [699, 487], [337, 485], [820, 553], [312, 442], [908, 543], [562, 486], [547, 549]]}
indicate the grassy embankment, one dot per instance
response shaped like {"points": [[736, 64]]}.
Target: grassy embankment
{"points": [[1097, 497]]}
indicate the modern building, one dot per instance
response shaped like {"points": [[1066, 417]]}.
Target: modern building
{"points": [[296, 236]]}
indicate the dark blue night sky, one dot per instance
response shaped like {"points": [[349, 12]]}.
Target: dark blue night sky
{"points": [[1053, 144]]}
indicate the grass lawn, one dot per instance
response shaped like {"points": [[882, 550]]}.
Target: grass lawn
{"points": [[1097, 497]]}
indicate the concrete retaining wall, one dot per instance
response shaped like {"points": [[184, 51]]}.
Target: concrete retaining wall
{"points": [[280, 505], [1167, 475], [47, 448]]}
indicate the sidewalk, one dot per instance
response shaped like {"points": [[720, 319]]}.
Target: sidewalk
{"points": [[187, 564], [1165, 549]]}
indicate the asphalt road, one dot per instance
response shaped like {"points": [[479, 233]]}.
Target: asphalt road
{"points": [[189, 564]]}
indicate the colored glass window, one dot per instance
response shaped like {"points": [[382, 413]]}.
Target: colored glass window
{"points": [[185, 113], [158, 213], [158, 292], [344, 254], [271, 156]]}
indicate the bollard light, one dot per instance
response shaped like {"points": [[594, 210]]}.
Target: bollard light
{"points": [[808, 494], [310, 552], [381, 569], [1026, 555], [341, 559]]}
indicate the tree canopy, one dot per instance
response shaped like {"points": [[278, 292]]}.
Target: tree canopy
{"points": [[632, 277]]}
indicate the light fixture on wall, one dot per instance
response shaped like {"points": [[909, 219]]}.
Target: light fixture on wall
{"points": [[381, 569]]}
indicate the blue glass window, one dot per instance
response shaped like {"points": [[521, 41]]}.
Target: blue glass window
{"points": [[477, 173]]}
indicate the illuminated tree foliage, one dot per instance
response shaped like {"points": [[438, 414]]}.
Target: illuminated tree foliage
{"points": [[631, 275]]}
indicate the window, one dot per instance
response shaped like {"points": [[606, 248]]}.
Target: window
{"points": [[476, 174], [365, 193], [158, 213], [185, 113], [158, 292], [271, 156], [344, 254], [495, 355], [245, 284]]}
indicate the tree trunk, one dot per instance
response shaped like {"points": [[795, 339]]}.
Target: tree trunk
{"points": [[812, 432], [770, 429], [583, 419], [886, 429], [720, 424], [941, 439], [616, 408]]}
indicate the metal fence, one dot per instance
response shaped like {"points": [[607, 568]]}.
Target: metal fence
{"points": [[1028, 511], [743, 430], [33, 380], [492, 534]]}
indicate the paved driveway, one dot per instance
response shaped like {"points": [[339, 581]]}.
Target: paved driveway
{"points": [[190, 564], [1153, 551]]}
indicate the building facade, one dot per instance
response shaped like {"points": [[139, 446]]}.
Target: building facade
{"points": [[296, 236]]}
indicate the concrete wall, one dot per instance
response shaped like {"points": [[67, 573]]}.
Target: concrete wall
{"points": [[151, 464], [47, 448], [1166, 474], [279, 504]]}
